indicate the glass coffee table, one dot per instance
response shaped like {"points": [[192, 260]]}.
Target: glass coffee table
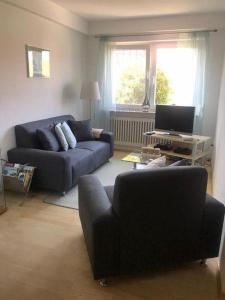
{"points": [[137, 158]]}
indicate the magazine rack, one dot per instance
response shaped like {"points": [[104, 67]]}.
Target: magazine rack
{"points": [[17, 177]]}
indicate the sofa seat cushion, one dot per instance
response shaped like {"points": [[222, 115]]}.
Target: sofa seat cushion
{"points": [[91, 145], [81, 161], [100, 150]]}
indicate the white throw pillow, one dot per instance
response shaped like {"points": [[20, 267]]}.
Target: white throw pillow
{"points": [[70, 137], [157, 163], [61, 137]]}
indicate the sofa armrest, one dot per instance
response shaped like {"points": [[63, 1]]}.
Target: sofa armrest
{"points": [[100, 227], [53, 170], [212, 227], [108, 137]]}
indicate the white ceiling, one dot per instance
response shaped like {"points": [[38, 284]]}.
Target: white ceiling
{"points": [[113, 9]]}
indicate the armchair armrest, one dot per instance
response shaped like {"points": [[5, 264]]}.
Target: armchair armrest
{"points": [[53, 168], [108, 137], [212, 227], [100, 227]]}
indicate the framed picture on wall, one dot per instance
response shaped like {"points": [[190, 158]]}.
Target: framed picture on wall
{"points": [[38, 62]]}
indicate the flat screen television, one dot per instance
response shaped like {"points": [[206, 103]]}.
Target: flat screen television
{"points": [[174, 119]]}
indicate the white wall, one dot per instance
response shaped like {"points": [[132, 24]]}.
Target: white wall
{"points": [[52, 11], [219, 153], [200, 21], [219, 168], [23, 99], [213, 80], [135, 25]]}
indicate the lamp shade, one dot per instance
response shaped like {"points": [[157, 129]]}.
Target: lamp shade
{"points": [[90, 91], [94, 93], [84, 91]]}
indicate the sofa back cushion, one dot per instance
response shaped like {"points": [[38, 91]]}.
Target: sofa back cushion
{"points": [[48, 139], [82, 130], [160, 211], [26, 136]]}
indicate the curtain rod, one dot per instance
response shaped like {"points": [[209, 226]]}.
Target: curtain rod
{"points": [[153, 33]]}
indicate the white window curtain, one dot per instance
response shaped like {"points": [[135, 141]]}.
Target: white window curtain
{"points": [[198, 42], [104, 77]]}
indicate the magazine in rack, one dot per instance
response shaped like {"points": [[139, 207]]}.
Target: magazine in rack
{"points": [[17, 177]]}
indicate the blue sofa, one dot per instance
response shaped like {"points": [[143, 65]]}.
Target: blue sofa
{"points": [[59, 171]]}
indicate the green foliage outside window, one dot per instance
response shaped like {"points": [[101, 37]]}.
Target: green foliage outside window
{"points": [[131, 89], [163, 88], [131, 86]]}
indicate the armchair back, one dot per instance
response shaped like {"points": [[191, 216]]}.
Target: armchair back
{"points": [[160, 213]]}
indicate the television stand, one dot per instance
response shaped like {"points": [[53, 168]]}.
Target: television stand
{"points": [[172, 134], [199, 145]]}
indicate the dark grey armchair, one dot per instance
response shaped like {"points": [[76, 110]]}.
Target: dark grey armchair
{"points": [[149, 219]]}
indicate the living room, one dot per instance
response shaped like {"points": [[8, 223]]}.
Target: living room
{"points": [[92, 47]]}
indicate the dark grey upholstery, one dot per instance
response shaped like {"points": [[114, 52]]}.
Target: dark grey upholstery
{"points": [[48, 139], [159, 217], [212, 227], [108, 137], [100, 226], [26, 133], [101, 151], [58, 171], [53, 169], [81, 130], [109, 191]]}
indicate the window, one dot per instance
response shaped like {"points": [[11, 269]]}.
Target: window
{"points": [[129, 75], [174, 76], [161, 70]]}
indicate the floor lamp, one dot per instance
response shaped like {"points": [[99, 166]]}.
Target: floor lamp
{"points": [[90, 91]]}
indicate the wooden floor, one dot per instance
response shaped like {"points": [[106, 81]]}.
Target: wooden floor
{"points": [[43, 257]]}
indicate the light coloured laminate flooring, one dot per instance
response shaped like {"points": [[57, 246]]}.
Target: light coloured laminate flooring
{"points": [[43, 257]]}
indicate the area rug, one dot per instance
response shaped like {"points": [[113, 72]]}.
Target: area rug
{"points": [[106, 174]]}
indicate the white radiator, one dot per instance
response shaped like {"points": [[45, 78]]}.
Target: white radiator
{"points": [[128, 131]]}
